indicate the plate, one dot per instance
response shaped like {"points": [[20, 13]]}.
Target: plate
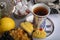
{"points": [[49, 25]]}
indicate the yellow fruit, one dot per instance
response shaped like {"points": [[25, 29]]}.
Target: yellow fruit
{"points": [[6, 24]]}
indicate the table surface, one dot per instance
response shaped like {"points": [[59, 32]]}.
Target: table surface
{"points": [[56, 34]]}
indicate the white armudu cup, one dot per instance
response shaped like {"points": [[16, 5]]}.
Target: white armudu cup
{"points": [[37, 18]]}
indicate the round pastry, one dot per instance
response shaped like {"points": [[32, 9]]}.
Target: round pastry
{"points": [[39, 34]]}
